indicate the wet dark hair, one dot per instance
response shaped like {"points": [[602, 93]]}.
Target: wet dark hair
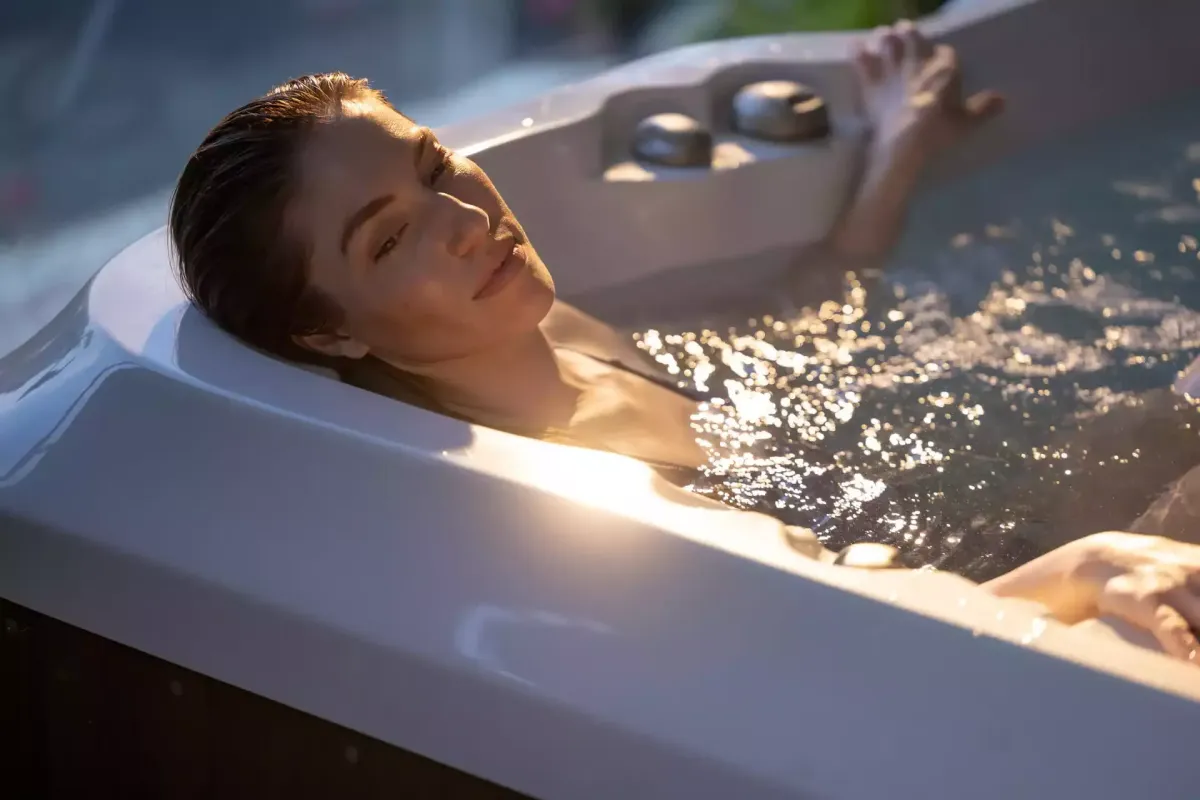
{"points": [[235, 257]]}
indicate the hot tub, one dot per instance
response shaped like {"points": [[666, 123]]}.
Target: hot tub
{"points": [[260, 579]]}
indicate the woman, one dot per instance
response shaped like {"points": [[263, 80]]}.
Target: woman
{"points": [[320, 224]]}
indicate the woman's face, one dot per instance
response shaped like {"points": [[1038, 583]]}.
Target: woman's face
{"points": [[413, 243]]}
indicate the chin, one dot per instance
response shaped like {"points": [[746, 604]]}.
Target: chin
{"points": [[538, 294], [538, 272], [529, 300]]}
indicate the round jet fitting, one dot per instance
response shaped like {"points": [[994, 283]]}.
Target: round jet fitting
{"points": [[780, 111], [672, 140]]}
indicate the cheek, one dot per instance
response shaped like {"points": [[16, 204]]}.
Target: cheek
{"points": [[398, 302], [414, 320]]}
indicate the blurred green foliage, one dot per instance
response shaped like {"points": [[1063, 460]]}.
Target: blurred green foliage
{"points": [[758, 17]]}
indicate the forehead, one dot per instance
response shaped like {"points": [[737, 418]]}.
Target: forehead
{"points": [[366, 152], [358, 142]]}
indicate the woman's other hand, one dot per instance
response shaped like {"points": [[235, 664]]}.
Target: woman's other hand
{"points": [[1148, 581]]}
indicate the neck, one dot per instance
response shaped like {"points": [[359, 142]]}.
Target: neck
{"points": [[517, 384]]}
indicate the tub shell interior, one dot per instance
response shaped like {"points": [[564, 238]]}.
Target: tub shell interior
{"points": [[559, 621]]}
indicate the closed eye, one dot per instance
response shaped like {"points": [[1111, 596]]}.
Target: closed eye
{"points": [[389, 244], [440, 165]]}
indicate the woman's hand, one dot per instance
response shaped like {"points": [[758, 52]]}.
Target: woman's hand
{"points": [[1148, 581], [913, 98], [913, 94]]}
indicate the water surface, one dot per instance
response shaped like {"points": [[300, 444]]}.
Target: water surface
{"points": [[1006, 388]]}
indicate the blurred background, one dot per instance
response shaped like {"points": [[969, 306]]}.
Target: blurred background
{"points": [[104, 99]]}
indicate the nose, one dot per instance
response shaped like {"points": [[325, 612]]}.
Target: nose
{"points": [[468, 226]]}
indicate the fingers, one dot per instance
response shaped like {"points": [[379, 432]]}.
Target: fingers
{"points": [[1127, 598], [1187, 604], [944, 57], [888, 44], [1174, 634], [939, 74], [916, 47], [888, 47], [868, 64], [983, 106]]}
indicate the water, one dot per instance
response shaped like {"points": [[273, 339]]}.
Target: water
{"points": [[1006, 388]]}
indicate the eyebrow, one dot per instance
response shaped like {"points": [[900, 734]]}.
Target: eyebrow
{"points": [[359, 218], [424, 140]]}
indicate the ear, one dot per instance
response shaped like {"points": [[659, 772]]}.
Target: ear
{"points": [[332, 344]]}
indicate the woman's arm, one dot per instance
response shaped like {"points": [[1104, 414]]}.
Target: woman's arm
{"points": [[864, 235], [913, 100], [873, 222]]}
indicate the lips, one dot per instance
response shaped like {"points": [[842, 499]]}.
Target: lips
{"points": [[510, 264]]}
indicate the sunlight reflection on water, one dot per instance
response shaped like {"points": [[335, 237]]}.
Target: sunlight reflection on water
{"points": [[972, 423]]}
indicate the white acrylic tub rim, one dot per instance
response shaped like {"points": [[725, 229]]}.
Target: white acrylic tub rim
{"points": [[541, 638]]}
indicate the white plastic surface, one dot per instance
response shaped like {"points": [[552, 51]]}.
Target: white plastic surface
{"points": [[556, 620]]}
